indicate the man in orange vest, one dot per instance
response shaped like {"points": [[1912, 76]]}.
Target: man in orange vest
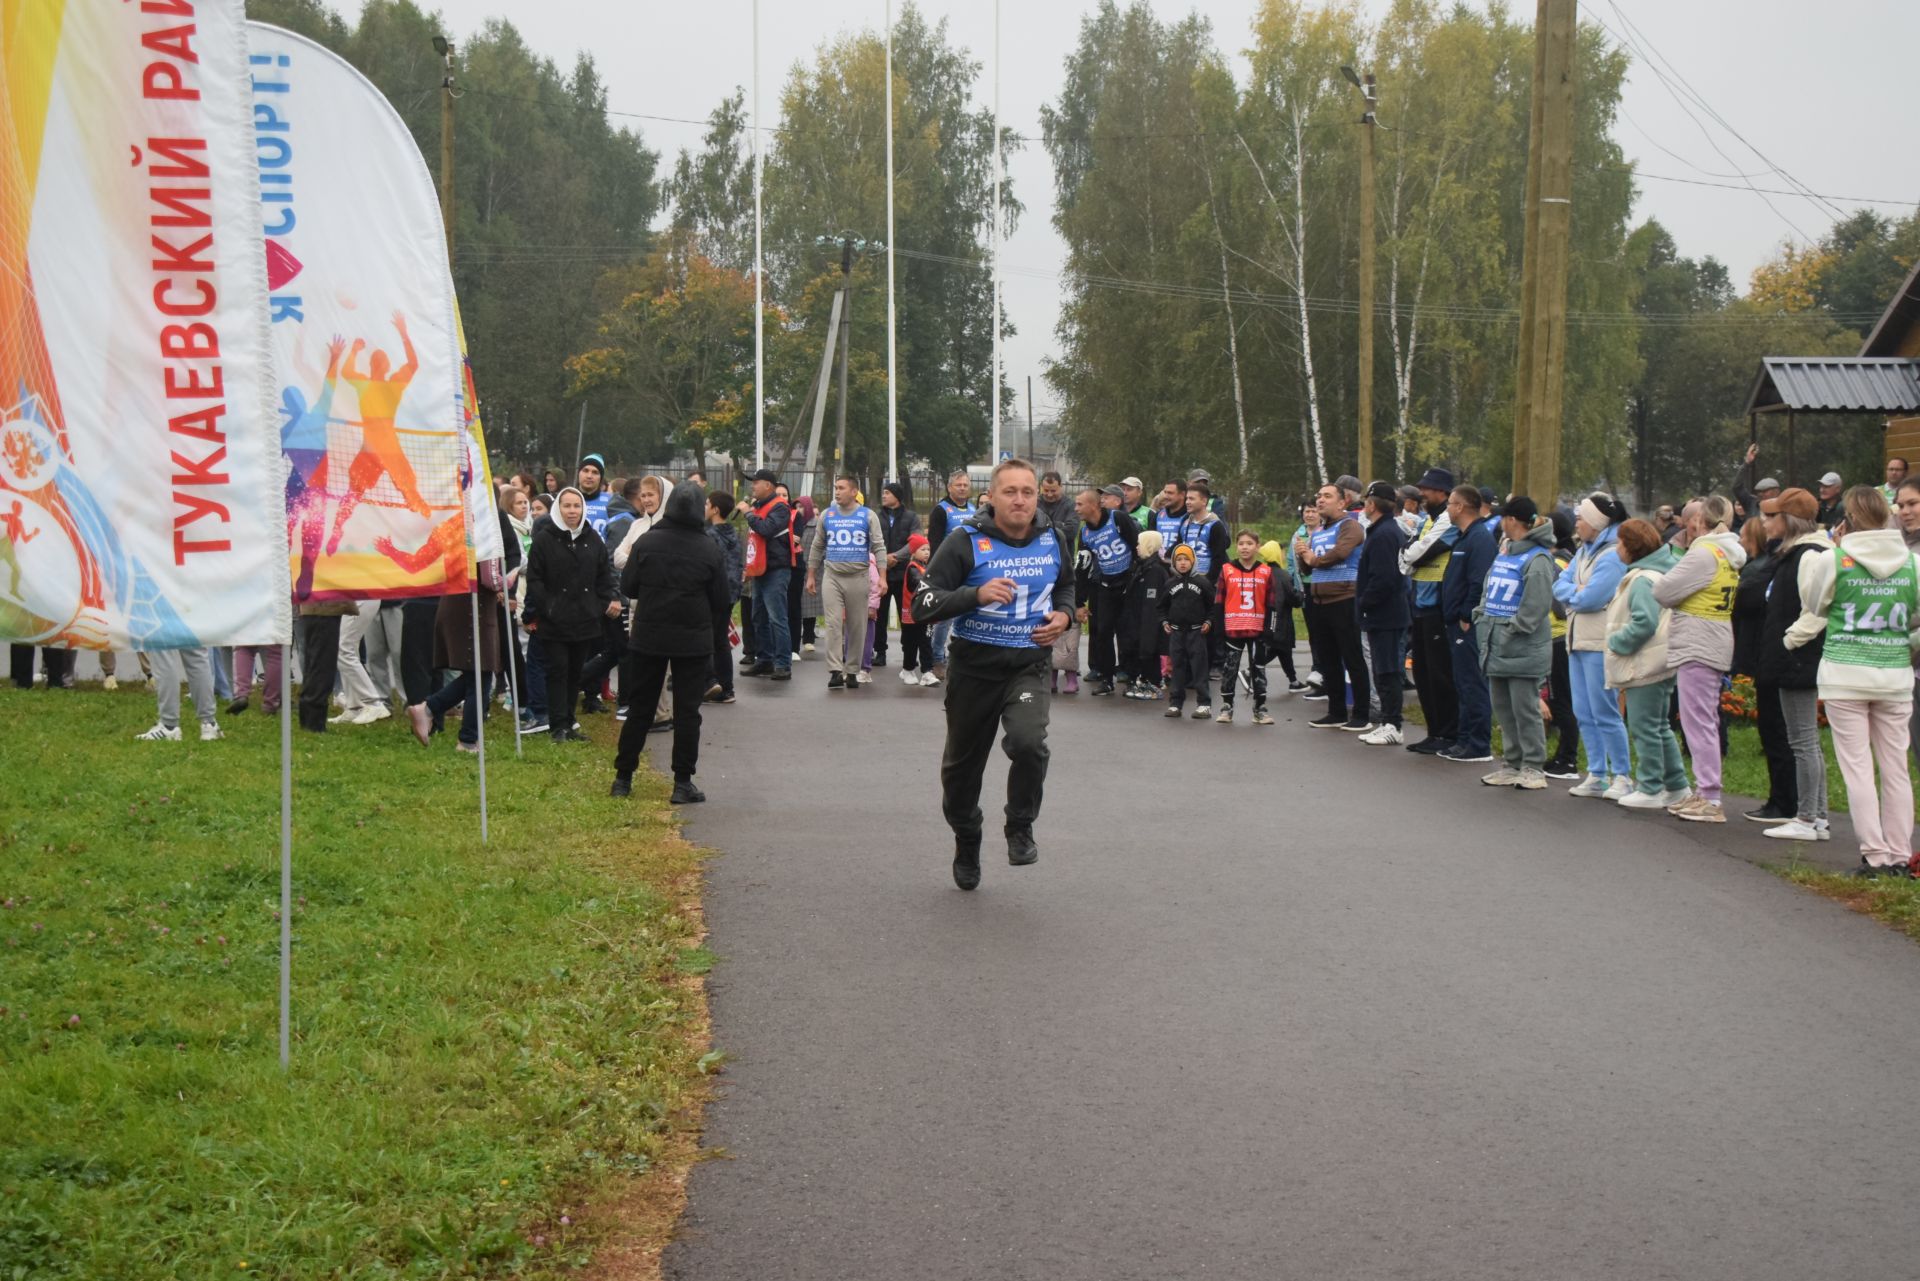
{"points": [[770, 556]]}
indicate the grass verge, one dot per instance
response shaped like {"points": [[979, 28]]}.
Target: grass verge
{"points": [[1889, 901], [493, 1044]]}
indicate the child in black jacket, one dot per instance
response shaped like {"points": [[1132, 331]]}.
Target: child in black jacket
{"points": [[1186, 616], [1144, 590]]}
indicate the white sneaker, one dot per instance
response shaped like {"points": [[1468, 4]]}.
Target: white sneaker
{"points": [[1383, 736], [909, 678], [928, 680], [1621, 788], [1588, 786], [211, 732], [371, 713], [1638, 800], [110, 684], [343, 718], [808, 647], [1203, 712], [1532, 780], [1822, 830], [159, 734], [1505, 776], [1796, 830], [796, 655]]}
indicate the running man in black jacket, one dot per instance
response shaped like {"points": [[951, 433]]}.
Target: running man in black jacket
{"points": [[1009, 585]]}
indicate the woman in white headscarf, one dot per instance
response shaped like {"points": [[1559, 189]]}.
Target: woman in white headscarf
{"points": [[569, 591]]}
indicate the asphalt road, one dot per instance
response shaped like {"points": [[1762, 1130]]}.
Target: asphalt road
{"points": [[1272, 1004]]}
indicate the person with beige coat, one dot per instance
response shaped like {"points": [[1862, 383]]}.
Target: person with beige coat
{"points": [[1699, 591]]}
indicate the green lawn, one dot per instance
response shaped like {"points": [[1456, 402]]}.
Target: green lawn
{"points": [[1891, 902], [491, 1043]]}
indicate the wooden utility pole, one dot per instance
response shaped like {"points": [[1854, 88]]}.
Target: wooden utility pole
{"points": [[1366, 87], [1539, 377], [444, 47]]}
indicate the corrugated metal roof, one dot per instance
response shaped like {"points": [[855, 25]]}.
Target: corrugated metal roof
{"points": [[1836, 384]]}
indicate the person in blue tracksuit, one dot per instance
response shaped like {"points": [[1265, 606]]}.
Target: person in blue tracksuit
{"points": [[1586, 587]]}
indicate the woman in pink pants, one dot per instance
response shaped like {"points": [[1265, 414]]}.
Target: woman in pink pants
{"points": [[1700, 590], [1865, 596]]}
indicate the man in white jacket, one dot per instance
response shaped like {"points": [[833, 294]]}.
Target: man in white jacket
{"points": [[1699, 590]]}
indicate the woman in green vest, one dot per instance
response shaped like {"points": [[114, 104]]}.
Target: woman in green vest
{"points": [[1865, 597]]}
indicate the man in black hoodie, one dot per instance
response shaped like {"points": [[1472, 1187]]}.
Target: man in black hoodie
{"points": [[679, 572], [1009, 583], [898, 523]]}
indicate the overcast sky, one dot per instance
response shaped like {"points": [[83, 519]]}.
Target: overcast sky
{"points": [[1819, 88]]}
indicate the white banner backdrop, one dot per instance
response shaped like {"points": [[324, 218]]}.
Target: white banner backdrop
{"points": [[139, 473], [372, 407]]}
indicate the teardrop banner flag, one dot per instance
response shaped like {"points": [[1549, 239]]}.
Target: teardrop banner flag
{"points": [[372, 408], [139, 474]]}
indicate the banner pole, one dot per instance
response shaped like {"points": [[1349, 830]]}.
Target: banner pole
{"points": [[286, 851], [579, 442], [480, 701], [513, 671], [994, 239], [759, 270], [893, 380]]}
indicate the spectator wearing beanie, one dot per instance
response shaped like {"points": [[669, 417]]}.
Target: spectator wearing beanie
{"points": [[1515, 629], [916, 639], [1586, 587]]}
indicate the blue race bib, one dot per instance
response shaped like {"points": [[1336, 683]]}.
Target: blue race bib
{"points": [[1322, 543], [846, 535], [1033, 569], [1168, 527], [1111, 555], [1506, 580], [1194, 534]]}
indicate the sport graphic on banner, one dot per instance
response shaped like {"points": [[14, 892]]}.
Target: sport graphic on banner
{"points": [[138, 507], [372, 407]]}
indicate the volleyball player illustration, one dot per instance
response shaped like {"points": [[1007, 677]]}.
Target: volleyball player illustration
{"points": [[380, 389], [303, 439]]}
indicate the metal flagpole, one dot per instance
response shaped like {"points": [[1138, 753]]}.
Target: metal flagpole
{"points": [[893, 378], [994, 255], [579, 442], [286, 851], [478, 697], [759, 269], [513, 670]]}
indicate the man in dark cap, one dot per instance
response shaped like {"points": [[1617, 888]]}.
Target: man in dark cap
{"points": [[1109, 537], [770, 559]]}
